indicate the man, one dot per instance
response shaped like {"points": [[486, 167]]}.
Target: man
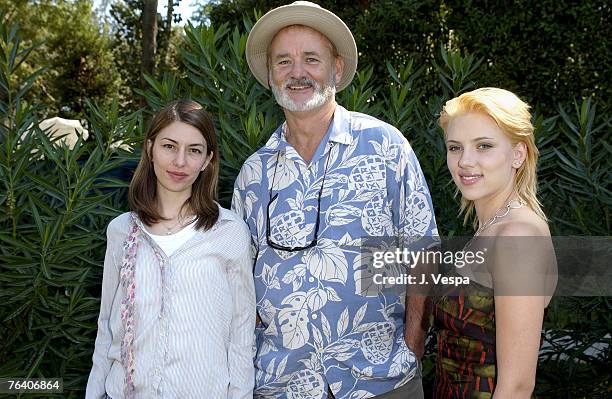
{"points": [[325, 181]]}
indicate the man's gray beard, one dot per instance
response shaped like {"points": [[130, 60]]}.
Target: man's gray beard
{"points": [[321, 95]]}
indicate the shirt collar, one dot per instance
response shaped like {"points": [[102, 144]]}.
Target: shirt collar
{"points": [[341, 132], [224, 214]]}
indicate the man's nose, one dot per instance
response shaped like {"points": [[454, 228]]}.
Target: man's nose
{"points": [[297, 70]]}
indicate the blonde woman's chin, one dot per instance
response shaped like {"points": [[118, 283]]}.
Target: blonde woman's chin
{"points": [[471, 192]]}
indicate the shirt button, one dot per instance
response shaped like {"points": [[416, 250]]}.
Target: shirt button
{"points": [[314, 316], [311, 279]]}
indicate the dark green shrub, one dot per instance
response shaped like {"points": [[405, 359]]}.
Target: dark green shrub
{"points": [[548, 52], [55, 204]]}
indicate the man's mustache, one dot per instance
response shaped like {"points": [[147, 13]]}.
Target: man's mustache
{"points": [[300, 82]]}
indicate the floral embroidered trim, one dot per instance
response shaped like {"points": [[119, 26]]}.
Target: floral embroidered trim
{"points": [[128, 281], [128, 308]]}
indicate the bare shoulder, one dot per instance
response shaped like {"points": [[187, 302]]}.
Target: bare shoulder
{"points": [[523, 223], [522, 259]]}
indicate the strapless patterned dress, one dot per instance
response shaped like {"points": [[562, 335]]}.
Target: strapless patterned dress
{"points": [[465, 324]]}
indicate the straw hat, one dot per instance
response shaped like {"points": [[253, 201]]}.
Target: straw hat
{"points": [[307, 14]]}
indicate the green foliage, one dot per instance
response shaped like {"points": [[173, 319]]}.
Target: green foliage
{"points": [[56, 203], [126, 36], [577, 349], [405, 31], [77, 55], [582, 171], [548, 52], [217, 12]]}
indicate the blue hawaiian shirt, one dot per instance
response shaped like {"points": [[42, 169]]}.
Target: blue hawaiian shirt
{"points": [[318, 330]]}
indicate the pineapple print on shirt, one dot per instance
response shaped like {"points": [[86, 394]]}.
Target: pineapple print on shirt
{"points": [[318, 333]]}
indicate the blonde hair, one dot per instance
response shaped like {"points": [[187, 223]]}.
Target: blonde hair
{"points": [[512, 116]]}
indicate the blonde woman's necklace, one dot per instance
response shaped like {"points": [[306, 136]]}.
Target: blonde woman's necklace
{"points": [[501, 213]]}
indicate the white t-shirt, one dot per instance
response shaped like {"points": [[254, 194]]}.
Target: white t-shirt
{"points": [[171, 242]]}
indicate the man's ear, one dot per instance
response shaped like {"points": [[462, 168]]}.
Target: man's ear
{"points": [[339, 69]]}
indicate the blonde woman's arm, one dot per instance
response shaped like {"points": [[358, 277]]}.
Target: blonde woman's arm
{"points": [[519, 274]]}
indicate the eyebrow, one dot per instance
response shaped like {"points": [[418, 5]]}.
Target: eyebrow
{"points": [[190, 145], [476, 139], [307, 53]]}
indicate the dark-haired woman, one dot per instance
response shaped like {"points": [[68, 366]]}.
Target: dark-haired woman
{"points": [[177, 312]]}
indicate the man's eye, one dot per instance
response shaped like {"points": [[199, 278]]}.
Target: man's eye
{"points": [[310, 60]]}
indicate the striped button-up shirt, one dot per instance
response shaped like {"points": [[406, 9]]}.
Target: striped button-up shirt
{"points": [[193, 323]]}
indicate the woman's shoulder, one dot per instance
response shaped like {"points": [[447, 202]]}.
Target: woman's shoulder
{"points": [[228, 214], [521, 257], [232, 220], [119, 224], [233, 233], [523, 223]]}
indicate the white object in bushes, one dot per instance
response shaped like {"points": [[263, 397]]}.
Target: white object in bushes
{"points": [[70, 128]]}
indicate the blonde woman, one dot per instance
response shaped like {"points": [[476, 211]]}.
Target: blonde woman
{"points": [[489, 332], [177, 313]]}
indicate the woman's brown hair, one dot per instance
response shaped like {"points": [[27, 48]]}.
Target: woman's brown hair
{"points": [[143, 187]]}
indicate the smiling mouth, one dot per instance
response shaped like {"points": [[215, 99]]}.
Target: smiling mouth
{"points": [[467, 180], [299, 87]]}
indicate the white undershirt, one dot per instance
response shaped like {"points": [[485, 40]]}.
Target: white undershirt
{"points": [[169, 243]]}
